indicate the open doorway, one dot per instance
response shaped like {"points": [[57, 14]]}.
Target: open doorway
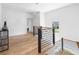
{"points": [[29, 25]]}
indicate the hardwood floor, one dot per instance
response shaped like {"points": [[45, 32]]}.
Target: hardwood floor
{"points": [[26, 45], [22, 45]]}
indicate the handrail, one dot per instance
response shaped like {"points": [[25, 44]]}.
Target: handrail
{"points": [[40, 37]]}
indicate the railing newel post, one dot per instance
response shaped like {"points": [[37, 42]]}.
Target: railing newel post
{"points": [[39, 38]]}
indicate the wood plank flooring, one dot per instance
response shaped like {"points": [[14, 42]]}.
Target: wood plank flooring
{"points": [[26, 44], [22, 45]]}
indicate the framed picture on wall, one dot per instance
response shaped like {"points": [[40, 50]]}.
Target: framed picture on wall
{"points": [[55, 24]]}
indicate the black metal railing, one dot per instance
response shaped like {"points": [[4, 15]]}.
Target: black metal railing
{"points": [[62, 46], [42, 43], [40, 38], [35, 30], [53, 35], [4, 40]]}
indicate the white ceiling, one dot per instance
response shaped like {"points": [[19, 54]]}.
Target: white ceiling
{"points": [[33, 7]]}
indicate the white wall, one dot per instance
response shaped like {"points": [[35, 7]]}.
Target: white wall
{"points": [[36, 18], [16, 21], [68, 18], [42, 19]]}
